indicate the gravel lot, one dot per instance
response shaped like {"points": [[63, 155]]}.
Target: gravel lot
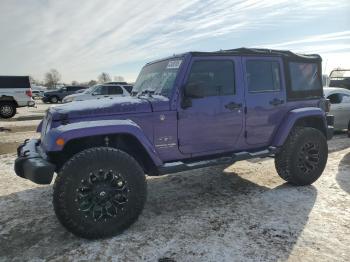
{"points": [[244, 212]]}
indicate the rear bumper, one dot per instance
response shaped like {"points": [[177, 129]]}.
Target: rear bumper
{"points": [[31, 165], [330, 126]]}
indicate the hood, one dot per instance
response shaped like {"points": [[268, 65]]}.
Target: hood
{"points": [[107, 107], [73, 95]]}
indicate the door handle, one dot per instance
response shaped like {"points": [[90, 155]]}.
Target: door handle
{"points": [[233, 106], [276, 102]]}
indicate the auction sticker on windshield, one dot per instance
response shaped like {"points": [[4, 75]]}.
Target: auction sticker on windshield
{"points": [[174, 64]]}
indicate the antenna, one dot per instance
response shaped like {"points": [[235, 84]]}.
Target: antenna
{"points": [[325, 65]]}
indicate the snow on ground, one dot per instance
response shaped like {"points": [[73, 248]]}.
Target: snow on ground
{"points": [[242, 213]]}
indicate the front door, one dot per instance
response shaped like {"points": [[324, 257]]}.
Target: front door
{"points": [[211, 112], [340, 108], [265, 96]]}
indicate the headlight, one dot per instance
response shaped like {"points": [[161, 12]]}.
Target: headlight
{"points": [[68, 99]]}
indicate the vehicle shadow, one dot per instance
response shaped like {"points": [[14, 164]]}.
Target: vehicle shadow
{"points": [[196, 214], [343, 175]]}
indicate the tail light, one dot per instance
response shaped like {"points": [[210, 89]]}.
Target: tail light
{"points": [[328, 106], [324, 104], [29, 93]]}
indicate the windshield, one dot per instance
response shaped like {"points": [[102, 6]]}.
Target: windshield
{"points": [[90, 89], [340, 74], [158, 78]]}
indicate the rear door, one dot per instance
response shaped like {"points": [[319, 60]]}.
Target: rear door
{"points": [[211, 119], [265, 98]]}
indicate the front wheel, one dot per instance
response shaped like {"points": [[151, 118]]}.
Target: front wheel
{"points": [[99, 192], [54, 100], [7, 109], [303, 157]]}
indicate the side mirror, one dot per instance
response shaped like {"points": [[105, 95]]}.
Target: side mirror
{"points": [[193, 90]]}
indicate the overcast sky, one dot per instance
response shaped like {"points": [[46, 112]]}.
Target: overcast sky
{"points": [[82, 38]]}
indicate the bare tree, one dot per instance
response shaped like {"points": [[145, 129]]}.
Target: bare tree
{"points": [[92, 83], [52, 78], [103, 78], [119, 79], [75, 83], [32, 80]]}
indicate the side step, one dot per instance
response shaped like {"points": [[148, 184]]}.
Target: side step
{"points": [[179, 166]]}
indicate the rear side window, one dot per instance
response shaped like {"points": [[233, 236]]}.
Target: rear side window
{"points": [[263, 76], [305, 80], [212, 78]]}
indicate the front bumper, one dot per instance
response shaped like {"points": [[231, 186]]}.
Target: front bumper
{"points": [[330, 126], [30, 164], [45, 99], [31, 103]]}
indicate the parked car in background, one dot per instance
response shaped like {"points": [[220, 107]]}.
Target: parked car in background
{"points": [[340, 78], [98, 92], [56, 96], [38, 91], [340, 106], [127, 86], [15, 91], [188, 111], [38, 94]]}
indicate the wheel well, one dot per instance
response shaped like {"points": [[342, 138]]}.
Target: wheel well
{"points": [[8, 99], [124, 142], [315, 122]]}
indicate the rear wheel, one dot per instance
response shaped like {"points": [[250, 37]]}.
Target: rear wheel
{"points": [[7, 109], [303, 157], [99, 193]]}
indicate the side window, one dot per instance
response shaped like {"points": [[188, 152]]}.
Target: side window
{"points": [[211, 78], [346, 98], [335, 98], [263, 76], [304, 76], [101, 90], [115, 90]]}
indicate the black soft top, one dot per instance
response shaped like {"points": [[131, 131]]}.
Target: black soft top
{"points": [[288, 55]]}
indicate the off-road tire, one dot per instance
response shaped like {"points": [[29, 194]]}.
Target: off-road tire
{"points": [[7, 109], [289, 160], [76, 170], [54, 100]]}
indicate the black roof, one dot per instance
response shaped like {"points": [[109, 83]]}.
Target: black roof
{"points": [[261, 51]]}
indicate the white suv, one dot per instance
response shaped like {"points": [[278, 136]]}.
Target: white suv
{"points": [[15, 91], [98, 92]]}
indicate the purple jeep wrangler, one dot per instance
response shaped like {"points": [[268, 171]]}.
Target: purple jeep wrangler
{"points": [[187, 111]]}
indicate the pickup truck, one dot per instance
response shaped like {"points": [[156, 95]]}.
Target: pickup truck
{"points": [[15, 91], [186, 111]]}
